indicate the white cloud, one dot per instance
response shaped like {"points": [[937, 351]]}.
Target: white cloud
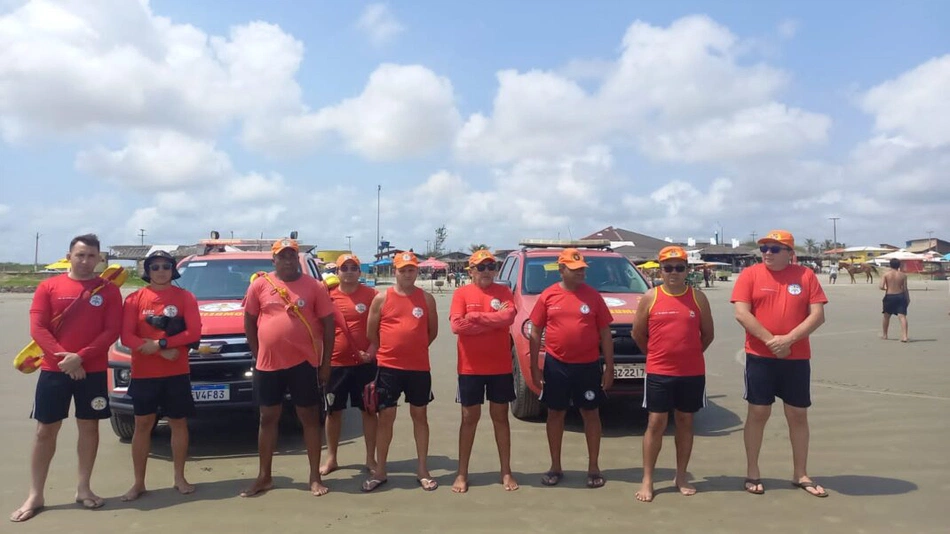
{"points": [[4, 209], [915, 104], [788, 28], [379, 24]]}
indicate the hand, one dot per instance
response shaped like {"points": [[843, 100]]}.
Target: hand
{"points": [[608, 378], [366, 357], [537, 377], [149, 347], [781, 345], [504, 306], [169, 354], [324, 374], [71, 364]]}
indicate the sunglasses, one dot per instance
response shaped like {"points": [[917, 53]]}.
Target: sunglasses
{"points": [[348, 268], [671, 268], [160, 267], [774, 249], [490, 266]]}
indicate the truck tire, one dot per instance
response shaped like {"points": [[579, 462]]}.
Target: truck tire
{"points": [[123, 426], [526, 405]]}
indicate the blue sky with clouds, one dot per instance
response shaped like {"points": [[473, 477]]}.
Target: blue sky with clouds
{"points": [[502, 120]]}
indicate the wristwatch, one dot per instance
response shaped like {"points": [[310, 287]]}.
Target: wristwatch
{"points": [[163, 343]]}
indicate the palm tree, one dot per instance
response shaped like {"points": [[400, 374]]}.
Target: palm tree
{"points": [[474, 247], [827, 244], [811, 244]]}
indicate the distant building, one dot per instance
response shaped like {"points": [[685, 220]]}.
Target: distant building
{"points": [[636, 247], [918, 246]]}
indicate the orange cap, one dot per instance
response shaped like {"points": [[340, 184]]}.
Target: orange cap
{"points": [[782, 237], [281, 244], [571, 258], [343, 258], [480, 256], [672, 253], [405, 258]]}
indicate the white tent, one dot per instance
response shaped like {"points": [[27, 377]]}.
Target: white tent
{"points": [[901, 254]]}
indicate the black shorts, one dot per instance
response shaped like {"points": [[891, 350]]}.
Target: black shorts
{"points": [[391, 383], [347, 382], [895, 304], [170, 394], [54, 392], [572, 383], [473, 389], [663, 393], [767, 378], [301, 381]]}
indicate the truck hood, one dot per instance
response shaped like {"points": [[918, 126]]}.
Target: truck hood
{"points": [[221, 317]]}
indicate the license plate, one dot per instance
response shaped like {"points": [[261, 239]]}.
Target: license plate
{"points": [[630, 370], [211, 392]]}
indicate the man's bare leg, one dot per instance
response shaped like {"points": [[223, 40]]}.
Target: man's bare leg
{"points": [[903, 320], [470, 417], [310, 421], [370, 423], [684, 448], [180, 454], [593, 432], [87, 447], [499, 419], [652, 443], [141, 445], [266, 445], [420, 431], [44, 447], [756, 418], [886, 323], [798, 434], [384, 438], [555, 430], [334, 428]]}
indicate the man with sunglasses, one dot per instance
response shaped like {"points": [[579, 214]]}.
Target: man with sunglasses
{"points": [[576, 325], [779, 304], [160, 371], [352, 366], [480, 314], [673, 327]]}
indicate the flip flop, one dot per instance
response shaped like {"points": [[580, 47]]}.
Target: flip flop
{"points": [[552, 478], [754, 482], [92, 504], [428, 484], [595, 480], [27, 514], [372, 484], [806, 485]]}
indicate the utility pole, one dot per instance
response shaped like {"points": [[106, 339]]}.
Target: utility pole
{"points": [[232, 234], [427, 247], [753, 236], [349, 243], [142, 235], [36, 253], [834, 229], [379, 188]]}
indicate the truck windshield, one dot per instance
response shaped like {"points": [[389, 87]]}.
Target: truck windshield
{"points": [[606, 274], [220, 279]]}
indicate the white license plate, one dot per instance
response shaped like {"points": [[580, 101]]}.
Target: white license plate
{"points": [[211, 392], [630, 370]]}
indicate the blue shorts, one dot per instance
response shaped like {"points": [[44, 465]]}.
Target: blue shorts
{"points": [[576, 384], [56, 391], [170, 395], [663, 393], [767, 378], [473, 389]]}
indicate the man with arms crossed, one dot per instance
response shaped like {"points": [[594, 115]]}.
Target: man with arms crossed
{"points": [[160, 371], [576, 322], [896, 298], [75, 362], [673, 327], [480, 314], [352, 365], [779, 304], [403, 322], [288, 318]]}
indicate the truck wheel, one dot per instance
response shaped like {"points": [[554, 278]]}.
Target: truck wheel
{"points": [[526, 405], [123, 426]]}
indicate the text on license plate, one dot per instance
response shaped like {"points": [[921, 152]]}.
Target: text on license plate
{"points": [[211, 392], [629, 370]]}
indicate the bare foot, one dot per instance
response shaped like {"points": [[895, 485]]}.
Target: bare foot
{"points": [[90, 500], [260, 486], [509, 482], [31, 507], [317, 489], [134, 492], [460, 485], [646, 492], [884, 337], [686, 488], [184, 487], [328, 467]]}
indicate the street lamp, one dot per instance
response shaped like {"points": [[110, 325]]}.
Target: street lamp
{"points": [[349, 243], [834, 223]]}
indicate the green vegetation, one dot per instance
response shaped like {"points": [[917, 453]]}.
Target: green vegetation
{"points": [[31, 280]]}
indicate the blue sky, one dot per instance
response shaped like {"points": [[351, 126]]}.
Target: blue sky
{"points": [[502, 120]]}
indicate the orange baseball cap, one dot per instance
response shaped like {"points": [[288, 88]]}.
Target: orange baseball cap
{"points": [[343, 258], [480, 256], [672, 253], [281, 244], [405, 258], [571, 258], [782, 237]]}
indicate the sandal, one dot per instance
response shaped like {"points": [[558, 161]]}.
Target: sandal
{"points": [[552, 478], [595, 480], [810, 485], [372, 484], [754, 482]]}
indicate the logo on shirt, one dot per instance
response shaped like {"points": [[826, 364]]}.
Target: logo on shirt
{"points": [[301, 303], [361, 308], [495, 304], [99, 403], [589, 395], [96, 300], [585, 309], [692, 314], [794, 289], [170, 311], [417, 312], [613, 302]]}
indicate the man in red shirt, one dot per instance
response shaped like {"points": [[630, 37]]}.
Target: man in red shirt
{"points": [[403, 322], [75, 362], [288, 318], [352, 365], [576, 325], [673, 327], [480, 314], [160, 370], [779, 304]]}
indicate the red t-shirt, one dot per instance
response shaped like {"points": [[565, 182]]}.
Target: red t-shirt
{"points": [[89, 329], [170, 302], [482, 327], [404, 332], [674, 345], [573, 321], [354, 308], [283, 339], [780, 301]]}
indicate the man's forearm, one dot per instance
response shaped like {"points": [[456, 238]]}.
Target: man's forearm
{"points": [[753, 326]]}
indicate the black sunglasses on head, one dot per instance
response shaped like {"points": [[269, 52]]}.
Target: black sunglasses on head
{"points": [[348, 268], [671, 268], [774, 249], [491, 266], [160, 267]]}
